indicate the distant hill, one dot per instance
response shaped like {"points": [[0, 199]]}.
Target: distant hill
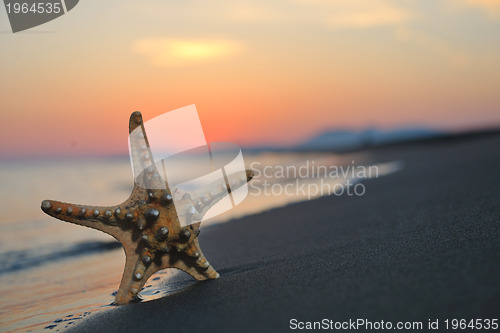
{"points": [[344, 139]]}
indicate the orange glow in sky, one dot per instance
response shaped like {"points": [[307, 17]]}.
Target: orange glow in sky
{"points": [[259, 72]]}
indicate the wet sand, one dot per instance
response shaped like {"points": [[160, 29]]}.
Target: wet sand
{"points": [[421, 244]]}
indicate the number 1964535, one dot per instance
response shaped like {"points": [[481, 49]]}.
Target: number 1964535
{"points": [[35, 8]]}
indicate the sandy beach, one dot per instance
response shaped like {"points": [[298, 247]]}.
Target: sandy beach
{"points": [[420, 245]]}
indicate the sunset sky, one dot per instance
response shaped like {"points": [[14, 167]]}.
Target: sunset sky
{"points": [[259, 72]]}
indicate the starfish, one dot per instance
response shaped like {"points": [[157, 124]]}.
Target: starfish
{"points": [[147, 224]]}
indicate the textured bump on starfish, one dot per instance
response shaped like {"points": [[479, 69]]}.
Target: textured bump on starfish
{"points": [[147, 223]]}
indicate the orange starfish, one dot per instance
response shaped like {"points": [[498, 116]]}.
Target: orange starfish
{"points": [[148, 227]]}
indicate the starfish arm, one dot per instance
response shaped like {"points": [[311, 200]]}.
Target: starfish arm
{"points": [[146, 174], [207, 196], [117, 221], [138, 268], [103, 218], [191, 261]]}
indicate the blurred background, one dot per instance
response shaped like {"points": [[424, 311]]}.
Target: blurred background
{"points": [[268, 76]]}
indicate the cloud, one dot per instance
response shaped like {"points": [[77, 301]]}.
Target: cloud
{"points": [[251, 12], [435, 44], [491, 7], [175, 52], [353, 14], [359, 14], [383, 16]]}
